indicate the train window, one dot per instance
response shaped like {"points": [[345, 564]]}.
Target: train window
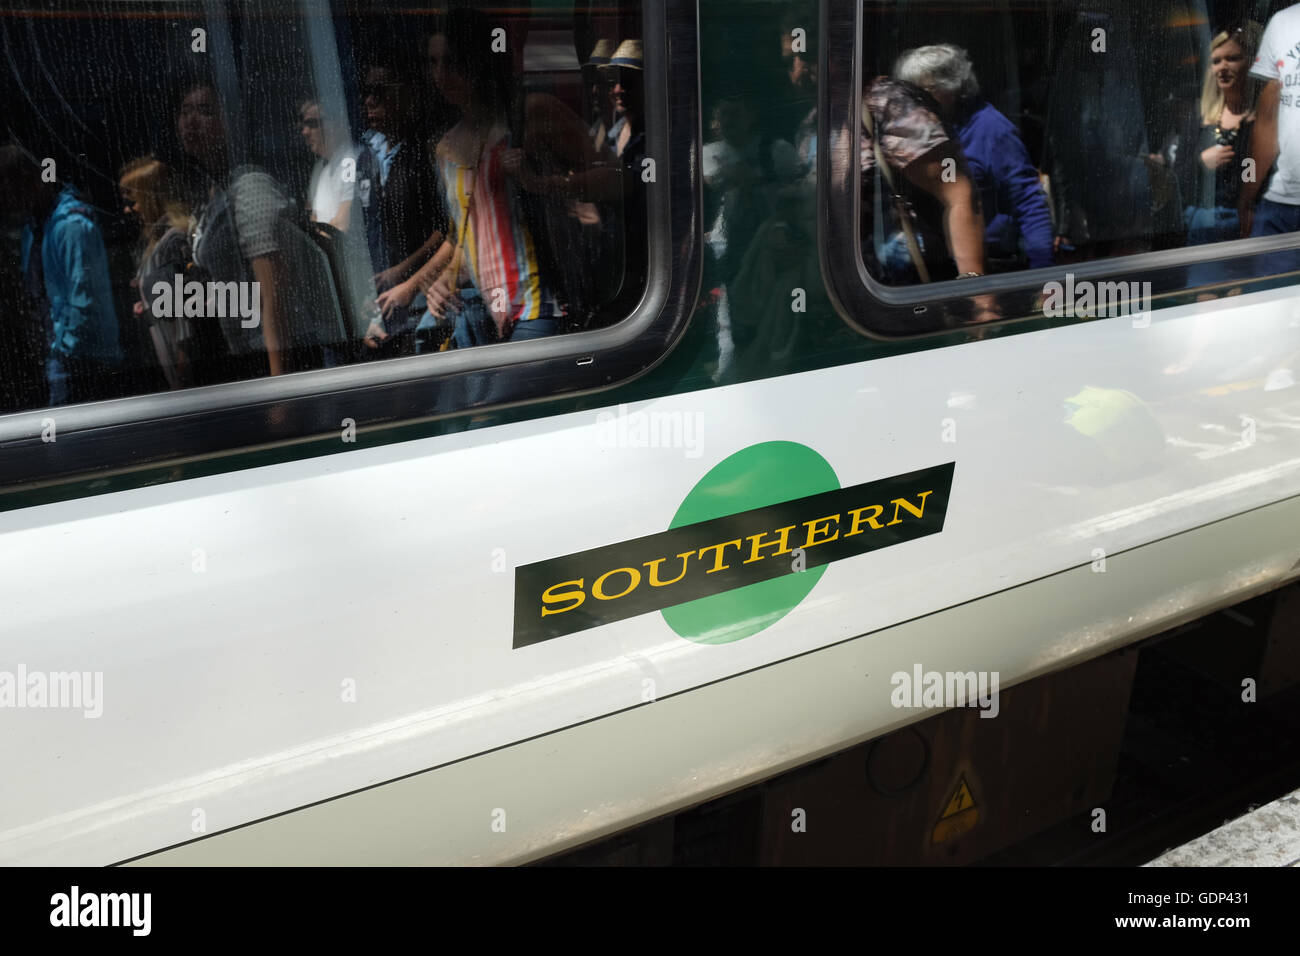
{"points": [[196, 195], [1087, 139]]}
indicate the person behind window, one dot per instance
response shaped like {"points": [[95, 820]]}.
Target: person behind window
{"points": [[1210, 156], [504, 146], [65, 272], [23, 382], [928, 170], [244, 233], [488, 231], [914, 145], [1275, 140], [340, 180], [412, 222], [597, 95], [427, 297], [344, 194], [1098, 153], [948, 227], [610, 234], [151, 197], [1017, 222], [625, 78]]}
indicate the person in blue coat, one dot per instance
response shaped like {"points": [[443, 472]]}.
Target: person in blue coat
{"points": [[65, 271], [1017, 221]]}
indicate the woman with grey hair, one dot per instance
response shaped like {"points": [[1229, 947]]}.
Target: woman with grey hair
{"points": [[942, 69], [1018, 224]]}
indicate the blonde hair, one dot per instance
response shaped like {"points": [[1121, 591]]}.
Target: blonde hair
{"points": [[1212, 99], [156, 197]]}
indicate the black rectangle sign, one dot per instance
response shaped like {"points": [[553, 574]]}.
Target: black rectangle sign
{"points": [[579, 591]]}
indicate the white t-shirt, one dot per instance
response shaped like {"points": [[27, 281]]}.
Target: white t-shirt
{"points": [[334, 182], [1279, 59]]}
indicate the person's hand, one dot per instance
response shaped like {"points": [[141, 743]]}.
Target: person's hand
{"points": [[585, 212], [1216, 157], [387, 279], [396, 298], [440, 300], [375, 335], [513, 163]]}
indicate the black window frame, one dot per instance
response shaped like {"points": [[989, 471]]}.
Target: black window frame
{"points": [[159, 429], [892, 313]]}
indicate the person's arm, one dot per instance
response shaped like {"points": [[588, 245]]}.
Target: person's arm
{"points": [[1263, 150], [1016, 174], [80, 250], [402, 294], [343, 216], [963, 225], [421, 209], [556, 130], [417, 258], [268, 271], [259, 205]]}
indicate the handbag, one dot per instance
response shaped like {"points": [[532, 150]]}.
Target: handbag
{"points": [[902, 208]]}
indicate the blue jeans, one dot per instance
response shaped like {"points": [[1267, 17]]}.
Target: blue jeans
{"points": [[1204, 226], [76, 380], [468, 315], [895, 260], [57, 378], [474, 324], [1272, 219], [533, 329]]}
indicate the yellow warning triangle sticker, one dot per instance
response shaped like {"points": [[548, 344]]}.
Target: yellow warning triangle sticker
{"points": [[959, 816], [961, 800]]}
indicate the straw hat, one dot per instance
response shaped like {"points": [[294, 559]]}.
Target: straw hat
{"points": [[600, 53], [628, 55]]}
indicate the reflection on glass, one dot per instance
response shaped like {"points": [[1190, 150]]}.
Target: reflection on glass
{"points": [[1069, 131], [269, 193]]}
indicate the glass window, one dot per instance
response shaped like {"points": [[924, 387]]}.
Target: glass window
{"points": [[1001, 137], [193, 197]]}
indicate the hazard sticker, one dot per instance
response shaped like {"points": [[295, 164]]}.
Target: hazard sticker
{"points": [[959, 815]]}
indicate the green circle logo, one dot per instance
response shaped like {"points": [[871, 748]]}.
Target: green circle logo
{"points": [[754, 477]]}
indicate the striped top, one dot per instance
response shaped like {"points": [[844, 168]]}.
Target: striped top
{"points": [[500, 254]]}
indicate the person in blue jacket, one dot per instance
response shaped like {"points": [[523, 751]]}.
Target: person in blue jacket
{"points": [[65, 271], [1018, 224]]}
